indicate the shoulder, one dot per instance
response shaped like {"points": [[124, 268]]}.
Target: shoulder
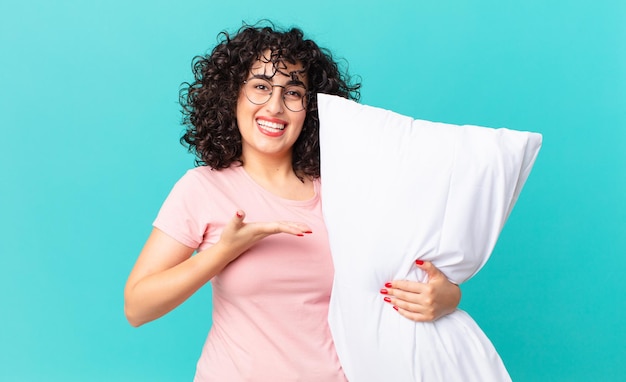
{"points": [[203, 184], [207, 177]]}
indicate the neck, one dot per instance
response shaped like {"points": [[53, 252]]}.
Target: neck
{"points": [[271, 169], [269, 172], [279, 178]]}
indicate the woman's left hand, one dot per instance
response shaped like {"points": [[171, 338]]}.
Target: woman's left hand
{"points": [[423, 301]]}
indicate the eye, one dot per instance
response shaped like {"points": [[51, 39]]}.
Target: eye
{"points": [[294, 92], [260, 86]]}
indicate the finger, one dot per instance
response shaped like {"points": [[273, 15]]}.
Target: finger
{"points": [[412, 310], [431, 270], [237, 220], [405, 285], [289, 227], [416, 286], [423, 298], [398, 303], [420, 316], [299, 229]]}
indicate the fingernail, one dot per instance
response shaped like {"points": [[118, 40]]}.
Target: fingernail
{"points": [[384, 291], [387, 299], [308, 231], [239, 215], [395, 307], [419, 262], [388, 285], [300, 234]]}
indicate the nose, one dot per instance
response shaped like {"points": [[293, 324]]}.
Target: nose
{"points": [[275, 104]]}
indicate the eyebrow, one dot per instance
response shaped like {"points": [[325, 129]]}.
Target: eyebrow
{"points": [[271, 79]]}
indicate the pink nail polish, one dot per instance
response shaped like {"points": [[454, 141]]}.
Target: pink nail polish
{"points": [[395, 307], [387, 299], [388, 285], [384, 291], [419, 262]]}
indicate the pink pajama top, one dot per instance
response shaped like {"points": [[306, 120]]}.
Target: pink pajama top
{"points": [[270, 306]]}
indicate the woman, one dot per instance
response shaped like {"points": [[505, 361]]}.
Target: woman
{"points": [[251, 212]]}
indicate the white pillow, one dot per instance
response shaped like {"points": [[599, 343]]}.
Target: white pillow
{"points": [[396, 189]]}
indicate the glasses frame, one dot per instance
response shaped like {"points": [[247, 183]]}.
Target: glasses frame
{"points": [[305, 97]]}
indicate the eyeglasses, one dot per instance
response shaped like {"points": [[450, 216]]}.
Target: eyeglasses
{"points": [[259, 91]]}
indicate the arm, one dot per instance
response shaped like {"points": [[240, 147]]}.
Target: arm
{"points": [[424, 301], [166, 273]]}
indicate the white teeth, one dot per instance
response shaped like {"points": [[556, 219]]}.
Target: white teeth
{"points": [[271, 125]]}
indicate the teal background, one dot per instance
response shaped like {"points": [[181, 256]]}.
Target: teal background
{"points": [[89, 149]]}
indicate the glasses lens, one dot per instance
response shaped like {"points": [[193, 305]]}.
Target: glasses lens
{"points": [[294, 97], [259, 91]]}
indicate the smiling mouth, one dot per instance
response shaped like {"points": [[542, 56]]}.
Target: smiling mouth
{"points": [[270, 126]]}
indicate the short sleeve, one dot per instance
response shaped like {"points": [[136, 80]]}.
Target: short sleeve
{"points": [[179, 214]]}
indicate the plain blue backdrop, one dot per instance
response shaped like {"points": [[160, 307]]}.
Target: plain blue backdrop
{"points": [[89, 149]]}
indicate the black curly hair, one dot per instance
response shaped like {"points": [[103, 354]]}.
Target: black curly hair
{"points": [[209, 103]]}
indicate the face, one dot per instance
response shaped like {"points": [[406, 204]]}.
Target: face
{"points": [[271, 129]]}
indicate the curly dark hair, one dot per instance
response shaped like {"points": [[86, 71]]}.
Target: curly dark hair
{"points": [[209, 103]]}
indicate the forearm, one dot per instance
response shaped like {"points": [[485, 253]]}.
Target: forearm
{"points": [[157, 294], [166, 273], [452, 299]]}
